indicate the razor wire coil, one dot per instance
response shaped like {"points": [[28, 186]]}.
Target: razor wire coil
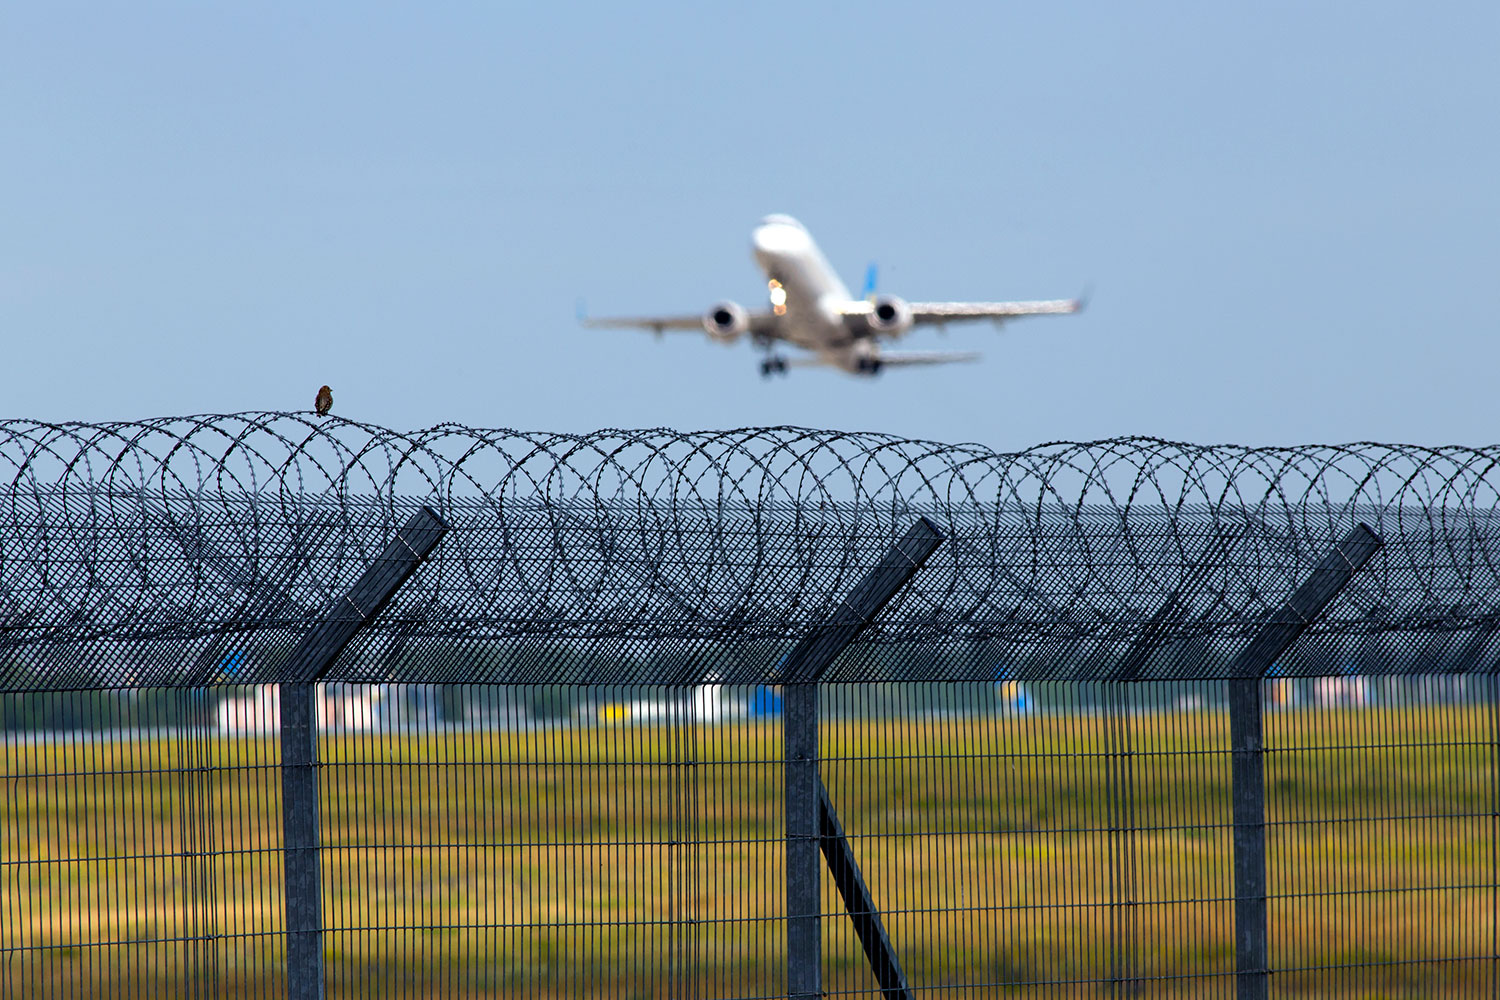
{"points": [[189, 529]]}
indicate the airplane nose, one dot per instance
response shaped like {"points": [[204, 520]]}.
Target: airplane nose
{"points": [[778, 237]]}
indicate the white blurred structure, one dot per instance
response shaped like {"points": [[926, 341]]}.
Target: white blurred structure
{"points": [[339, 707], [1352, 691], [706, 703], [259, 713]]}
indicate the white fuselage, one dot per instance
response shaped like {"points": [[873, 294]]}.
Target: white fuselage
{"points": [[815, 297]]}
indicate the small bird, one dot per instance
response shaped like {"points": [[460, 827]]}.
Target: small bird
{"points": [[324, 402]]}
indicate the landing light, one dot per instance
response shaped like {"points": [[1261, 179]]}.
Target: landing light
{"points": [[778, 295]]}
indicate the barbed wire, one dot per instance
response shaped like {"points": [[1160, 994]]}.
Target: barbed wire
{"points": [[185, 530]]}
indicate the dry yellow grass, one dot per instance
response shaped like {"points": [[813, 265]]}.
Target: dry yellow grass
{"points": [[566, 862]]}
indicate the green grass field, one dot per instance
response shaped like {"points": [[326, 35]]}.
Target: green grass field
{"points": [[646, 861]]}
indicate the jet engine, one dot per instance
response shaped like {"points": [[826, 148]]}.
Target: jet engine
{"points": [[889, 314], [726, 321]]}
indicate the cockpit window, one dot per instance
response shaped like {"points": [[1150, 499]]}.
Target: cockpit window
{"points": [[780, 220]]}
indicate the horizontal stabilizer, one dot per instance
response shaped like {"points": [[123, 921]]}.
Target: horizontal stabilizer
{"points": [[896, 358], [943, 312]]}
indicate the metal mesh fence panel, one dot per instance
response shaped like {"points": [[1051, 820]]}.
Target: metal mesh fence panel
{"points": [[486, 841], [141, 847], [1383, 835], [311, 709]]}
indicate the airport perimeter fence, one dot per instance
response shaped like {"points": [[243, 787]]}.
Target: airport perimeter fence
{"points": [[312, 708]]}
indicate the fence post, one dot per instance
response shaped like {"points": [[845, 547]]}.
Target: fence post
{"points": [[804, 959], [301, 868], [312, 658], [1246, 740], [799, 674], [1494, 713]]}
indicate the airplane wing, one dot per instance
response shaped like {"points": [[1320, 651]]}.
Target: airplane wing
{"points": [[654, 323], [948, 312], [758, 322]]}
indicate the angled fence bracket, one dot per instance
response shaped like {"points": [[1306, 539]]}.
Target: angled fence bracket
{"points": [[1247, 738], [308, 663], [812, 824]]}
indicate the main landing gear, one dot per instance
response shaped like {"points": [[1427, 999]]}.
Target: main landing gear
{"points": [[773, 365]]}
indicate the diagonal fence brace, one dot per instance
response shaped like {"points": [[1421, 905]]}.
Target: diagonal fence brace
{"points": [[308, 663], [1247, 739], [809, 811], [868, 926]]}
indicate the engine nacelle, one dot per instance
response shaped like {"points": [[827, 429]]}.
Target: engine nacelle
{"points": [[889, 315], [726, 321]]}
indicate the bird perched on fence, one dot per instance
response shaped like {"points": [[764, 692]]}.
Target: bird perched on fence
{"points": [[324, 402]]}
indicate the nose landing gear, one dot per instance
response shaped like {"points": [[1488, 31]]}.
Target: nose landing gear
{"points": [[772, 365]]}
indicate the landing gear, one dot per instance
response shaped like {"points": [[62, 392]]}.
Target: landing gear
{"points": [[869, 366], [772, 366]]}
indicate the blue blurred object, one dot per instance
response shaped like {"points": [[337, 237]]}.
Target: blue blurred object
{"points": [[1014, 697], [765, 703], [233, 664]]}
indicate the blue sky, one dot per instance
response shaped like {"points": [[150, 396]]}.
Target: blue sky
{"points": [[1287, 213]]}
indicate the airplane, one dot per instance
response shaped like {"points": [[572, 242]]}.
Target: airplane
{"points": [[812, 309]]}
